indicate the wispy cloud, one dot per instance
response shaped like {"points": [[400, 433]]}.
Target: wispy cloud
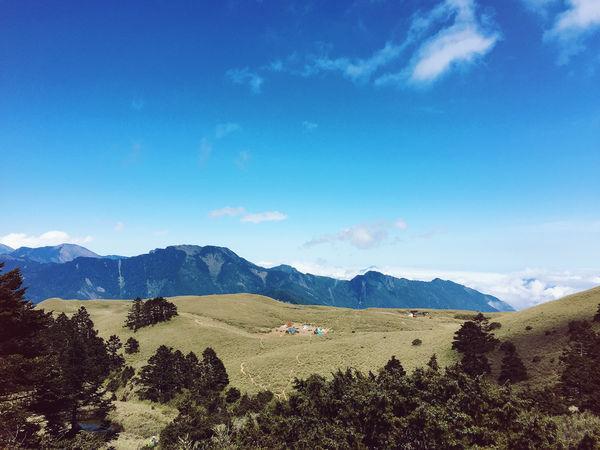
{"points": [[447, 36], [462, 42], [227, 211], [224, 129], [245, 76], [572, 26], [362, 236], [55, 237], [248, 217], [267, 216]]}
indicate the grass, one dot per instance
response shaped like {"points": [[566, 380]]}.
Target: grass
{"points": [[240, 329]]}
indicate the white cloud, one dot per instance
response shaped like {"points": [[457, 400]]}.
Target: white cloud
{"points": [[227, 211], [450, 47], [580, 16], [309, 126], [224, 129], [362, 236], [247, 217], [572, 22], [463, 41], [267, 216], [246, 76], [358, 70], [16, 240], [521, 289]]}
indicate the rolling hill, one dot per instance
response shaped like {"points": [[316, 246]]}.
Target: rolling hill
{"points": [[195, 270], [242, 329]]}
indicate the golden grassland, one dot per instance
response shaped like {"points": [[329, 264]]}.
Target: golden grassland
{"points": [[241, 330]]}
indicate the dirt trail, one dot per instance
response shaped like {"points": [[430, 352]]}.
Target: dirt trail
{"points": [[209, 322]]}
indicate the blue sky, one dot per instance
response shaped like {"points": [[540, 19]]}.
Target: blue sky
{"points": [[458, 138]]}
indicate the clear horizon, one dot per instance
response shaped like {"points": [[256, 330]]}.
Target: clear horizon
{"points": [[456, 139]]}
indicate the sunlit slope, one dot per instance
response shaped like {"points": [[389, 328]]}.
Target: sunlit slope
{"points": [[240, 329], [542, 344]]}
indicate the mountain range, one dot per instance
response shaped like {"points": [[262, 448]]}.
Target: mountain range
{"points": [[74, 272]]}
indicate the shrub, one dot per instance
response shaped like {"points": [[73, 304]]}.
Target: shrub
{"points": [[417, 342], [494, 326]]}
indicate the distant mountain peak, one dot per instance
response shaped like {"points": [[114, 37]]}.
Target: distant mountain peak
{"points": [[5, 249], [61, 253], [203, 270]]}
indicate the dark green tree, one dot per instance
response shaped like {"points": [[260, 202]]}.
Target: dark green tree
{"points": [[135, 319], [580, 378], [23, 362], [474, 339], [160, 377], [113, 345], [433, 363], [213, 374], [80, 364], [149, 312], [512, 369], [132, 345]]}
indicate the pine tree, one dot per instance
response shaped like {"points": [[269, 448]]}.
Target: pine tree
{"points": [[23, 362], [132, 346], [394, 367], [580, 379], [113, 345], [512, 369], [474, 339], [433, 363], [80, 364], [134, 319], [213, 374], [159, 377]]}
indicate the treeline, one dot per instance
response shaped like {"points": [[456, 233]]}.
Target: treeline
{"points": [[149, 312], [52, 370]]}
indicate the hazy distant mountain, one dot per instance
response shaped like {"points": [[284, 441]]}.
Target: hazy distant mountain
{"points": [[5, 249], [54, 254], [189, 269]]}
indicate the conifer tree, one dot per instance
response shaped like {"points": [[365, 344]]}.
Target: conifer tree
{"points": [[394, 367], [80, 364], [134, 319], [433, 363], [213, 373], [23, 361], [580, 379], [159, 377], [132, 345], [474, 339], [512, 369], [113, 345]]}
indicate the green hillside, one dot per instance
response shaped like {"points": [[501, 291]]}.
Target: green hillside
{"points": [[243, 331]]}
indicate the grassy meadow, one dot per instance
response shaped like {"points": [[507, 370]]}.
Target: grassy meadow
{"points": [[242, 330]]}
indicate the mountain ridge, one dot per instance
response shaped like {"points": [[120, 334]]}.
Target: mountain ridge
{"points": [[203, 270]]}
